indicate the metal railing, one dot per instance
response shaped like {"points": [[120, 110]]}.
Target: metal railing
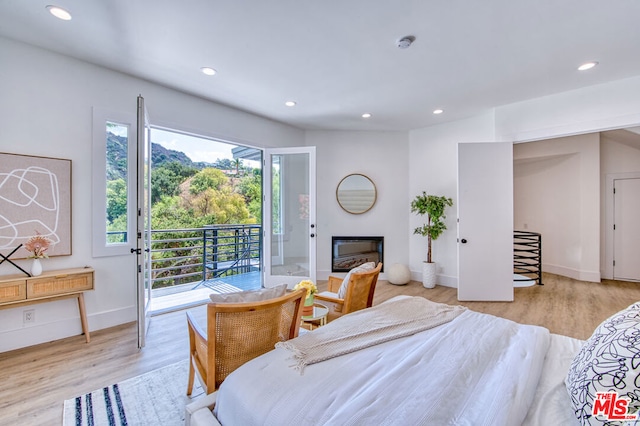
{"points": [[181, 256], [527, 256]]}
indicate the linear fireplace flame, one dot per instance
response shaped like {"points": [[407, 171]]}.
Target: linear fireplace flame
{"points": [[349, 252]]}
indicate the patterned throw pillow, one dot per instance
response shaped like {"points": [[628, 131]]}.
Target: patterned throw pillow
{"points": [[365, 267], [608, 362]]}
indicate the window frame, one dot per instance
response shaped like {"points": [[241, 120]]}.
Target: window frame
{"points": [[100, 246]]}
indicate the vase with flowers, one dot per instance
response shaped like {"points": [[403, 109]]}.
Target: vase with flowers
{"points": [[38, 246], [308, 301]]}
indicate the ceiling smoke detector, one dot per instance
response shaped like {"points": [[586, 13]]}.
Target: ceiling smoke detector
{"points": [[405, 42]]}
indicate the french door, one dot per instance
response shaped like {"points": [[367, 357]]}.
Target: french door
{"points": [[289, 222], [485, 221], [143, 212]]}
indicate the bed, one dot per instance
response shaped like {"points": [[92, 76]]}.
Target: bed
{"points": [[476, 369]]}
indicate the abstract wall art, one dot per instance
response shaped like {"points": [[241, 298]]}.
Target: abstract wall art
{"points": [[35, 198]]}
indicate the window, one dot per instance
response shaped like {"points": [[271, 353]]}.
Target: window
{"points": [[114, 183]]}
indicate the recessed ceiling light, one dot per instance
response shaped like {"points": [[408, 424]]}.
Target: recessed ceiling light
{"points": [[587, 66], [208, 71], [366, 115], [59, 12], [438, 111], [290, 103]]}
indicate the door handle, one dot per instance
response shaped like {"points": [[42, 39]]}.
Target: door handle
{"points": [[463, 241], [136, 251], [312, 235]]}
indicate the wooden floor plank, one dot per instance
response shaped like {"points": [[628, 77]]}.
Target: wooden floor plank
{"points": [[35, 381]]}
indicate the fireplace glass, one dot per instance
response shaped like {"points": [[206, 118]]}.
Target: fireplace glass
{"points": [[349, 252]]}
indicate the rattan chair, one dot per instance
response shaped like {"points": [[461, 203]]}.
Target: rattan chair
{"points": [[237, 333], [359, 294]]}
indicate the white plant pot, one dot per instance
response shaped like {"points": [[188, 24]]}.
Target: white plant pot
{"points": [[428, 274]]}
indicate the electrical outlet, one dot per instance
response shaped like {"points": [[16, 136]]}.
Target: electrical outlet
{"points": [[28, 316]]}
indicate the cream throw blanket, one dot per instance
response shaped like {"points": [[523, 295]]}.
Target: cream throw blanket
{"points": [[388, 321]]}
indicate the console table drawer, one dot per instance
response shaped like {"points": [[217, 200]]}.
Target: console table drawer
{"points": [[13, 291], [59, 284]]}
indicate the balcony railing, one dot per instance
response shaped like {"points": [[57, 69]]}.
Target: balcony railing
{"points": [[180, 256], [183, 256]]}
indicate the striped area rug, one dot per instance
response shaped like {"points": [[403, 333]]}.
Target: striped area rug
{"points": [[155, 398]]}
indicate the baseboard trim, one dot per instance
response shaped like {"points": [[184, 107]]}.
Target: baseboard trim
{"points": [[443, 280], [590, 276], [68, 327]]}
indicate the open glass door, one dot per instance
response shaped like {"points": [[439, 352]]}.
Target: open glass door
{"points": [[289, 216], [143, 222]]}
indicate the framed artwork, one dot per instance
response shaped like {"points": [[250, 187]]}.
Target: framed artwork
{"points": [[35, 198]]}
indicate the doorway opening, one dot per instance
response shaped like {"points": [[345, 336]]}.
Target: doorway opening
{"points": [[206, 210]]}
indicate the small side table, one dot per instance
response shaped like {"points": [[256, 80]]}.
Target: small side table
{"points": [[319, 315]]}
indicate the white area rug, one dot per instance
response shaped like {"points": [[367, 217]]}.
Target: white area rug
{"points": [[156, 398]]}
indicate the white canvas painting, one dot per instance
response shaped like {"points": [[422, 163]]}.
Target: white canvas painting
{"points": [[35, 197]]}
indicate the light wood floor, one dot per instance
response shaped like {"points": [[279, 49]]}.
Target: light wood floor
{"points": [[35, 381]]}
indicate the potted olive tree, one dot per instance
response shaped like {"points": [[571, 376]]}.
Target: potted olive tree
{"points": [[433, 206]]}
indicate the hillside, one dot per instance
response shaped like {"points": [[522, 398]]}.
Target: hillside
{"points": [[117, 157]]}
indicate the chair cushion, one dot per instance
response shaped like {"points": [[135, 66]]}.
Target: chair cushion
{"points": [[365, 267], [608, 362], [250, 296]]}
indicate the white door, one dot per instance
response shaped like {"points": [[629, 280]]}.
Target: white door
{"points": [[485, 221], [626, 235], [143, 222], [289, 216]]}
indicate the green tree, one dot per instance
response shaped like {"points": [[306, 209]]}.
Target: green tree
{"points": [[116, 199], [166, 179], [208, 178], [250, 187]]}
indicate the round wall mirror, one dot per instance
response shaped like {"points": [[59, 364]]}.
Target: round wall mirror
{"points": [[356, 193]]}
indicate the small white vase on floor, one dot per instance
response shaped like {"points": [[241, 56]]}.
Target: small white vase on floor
{"points": [[36, 268], [428, 274]]}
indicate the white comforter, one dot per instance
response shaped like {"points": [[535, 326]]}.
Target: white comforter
{"points": [[476, 370]]}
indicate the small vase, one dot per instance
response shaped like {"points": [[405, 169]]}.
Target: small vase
{"points": [[307, 309], [36, 268]]}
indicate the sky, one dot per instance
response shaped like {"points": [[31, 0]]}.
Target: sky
{"points": [[197, 149]]}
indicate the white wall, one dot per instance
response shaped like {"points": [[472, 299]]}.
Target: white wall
{"points": [[613, 105], [432, 150], [433, 165], [619, 154], [383, 157], [557, 193], [46, 108]]}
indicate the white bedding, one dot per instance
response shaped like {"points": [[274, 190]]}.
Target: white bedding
{"points": [[551, 404], [476, 370]]}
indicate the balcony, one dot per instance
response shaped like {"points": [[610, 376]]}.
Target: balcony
{"points": [[187, 265]]}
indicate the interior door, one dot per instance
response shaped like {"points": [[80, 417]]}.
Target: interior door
{"points": [[626, 236], [289, 216], [143, 252], [485, 221]]}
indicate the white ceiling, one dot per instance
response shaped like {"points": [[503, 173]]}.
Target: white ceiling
{"points": [[338, 58]]}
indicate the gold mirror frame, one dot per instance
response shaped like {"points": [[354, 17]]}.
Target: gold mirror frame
{"points": [[356, 193]]}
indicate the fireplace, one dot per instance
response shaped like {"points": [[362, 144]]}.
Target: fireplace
{"points": [[349, 252]]}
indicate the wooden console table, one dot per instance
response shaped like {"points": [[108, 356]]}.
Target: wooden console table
{"points": [[19, 290]]}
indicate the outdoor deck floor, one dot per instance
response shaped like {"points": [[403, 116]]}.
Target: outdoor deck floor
{"points": [[197, 293]]}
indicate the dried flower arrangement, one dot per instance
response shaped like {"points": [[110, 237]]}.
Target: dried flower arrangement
{"points": [[38, 246]]}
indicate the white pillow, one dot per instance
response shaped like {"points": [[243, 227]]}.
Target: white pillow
{"points": [[250, 296], [609, 361], [369, 266]]}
